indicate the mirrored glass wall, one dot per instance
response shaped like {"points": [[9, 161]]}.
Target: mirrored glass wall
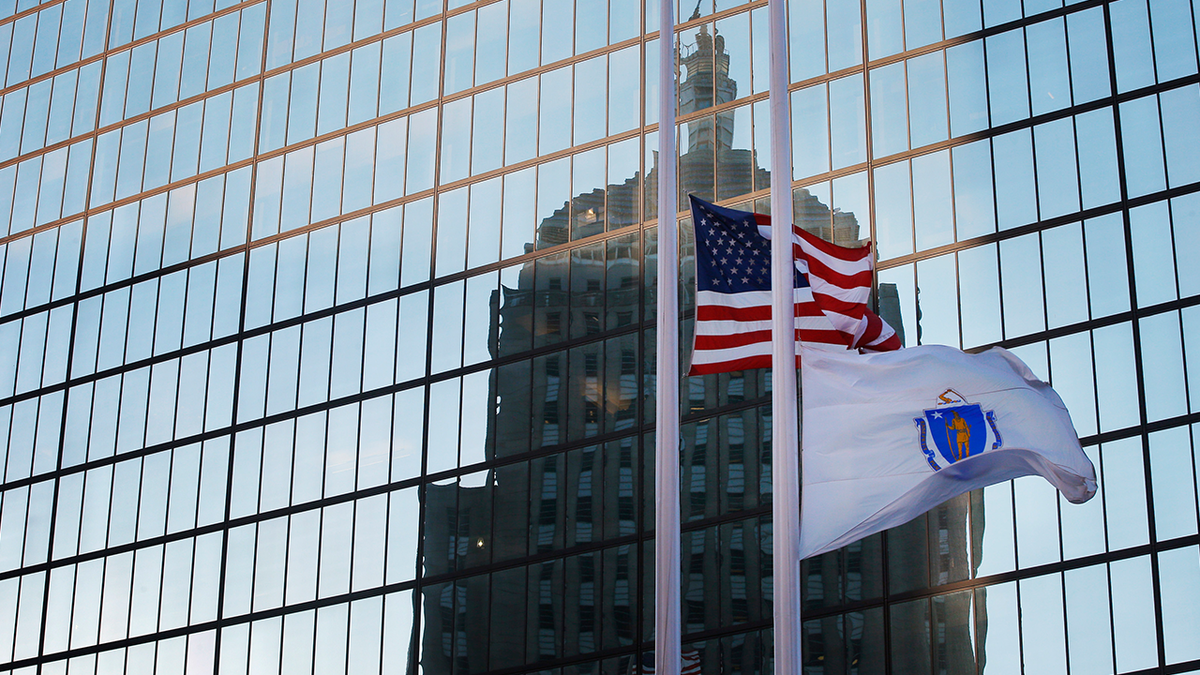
{"points": [[327, 330]]}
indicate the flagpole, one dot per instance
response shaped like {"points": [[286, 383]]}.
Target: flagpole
{"points": [[784, 423], [667, 622]]}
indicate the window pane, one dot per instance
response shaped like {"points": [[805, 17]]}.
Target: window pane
{"points": [[1179, 574]]}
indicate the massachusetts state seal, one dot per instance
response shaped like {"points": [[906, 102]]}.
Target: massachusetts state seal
{"points": [[958, 428]]}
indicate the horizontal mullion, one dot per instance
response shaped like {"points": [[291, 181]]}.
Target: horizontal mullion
{"points": [[266, 420], [105, 53], [130, 121], [987, 32], [217, 624], [1005, 577], [1038, 226], [427, 285], [1111, 101], [32, 10]]}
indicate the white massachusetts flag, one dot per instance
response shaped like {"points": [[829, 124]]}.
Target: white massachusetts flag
{"points": [[888, 436]]}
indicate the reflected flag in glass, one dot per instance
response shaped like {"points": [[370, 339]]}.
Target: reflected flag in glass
{"points": [[831, 287], [887, 437], [689, 664]]}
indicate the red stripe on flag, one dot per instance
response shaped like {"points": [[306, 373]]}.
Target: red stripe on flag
{"points": [[829, 303], [840, 280], [732, 340], [873, 330], [831, 249], [824, 337], [763, 361], [889, 345], [823, 272], [752, 313]]}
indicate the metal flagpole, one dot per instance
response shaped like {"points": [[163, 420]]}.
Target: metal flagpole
{"points": [[667, 623], [785, 445]]}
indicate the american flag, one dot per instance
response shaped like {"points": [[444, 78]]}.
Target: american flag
{"points": [[689, 663], [831, 287]]}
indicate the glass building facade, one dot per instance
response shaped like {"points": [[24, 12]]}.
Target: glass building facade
{"points": [[327, 330]]}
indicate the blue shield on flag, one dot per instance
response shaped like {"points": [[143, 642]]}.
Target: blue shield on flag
{"points": [[958, 431]]}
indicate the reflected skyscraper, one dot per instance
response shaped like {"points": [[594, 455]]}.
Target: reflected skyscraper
{"points": [[327, 330], [549, 610]]}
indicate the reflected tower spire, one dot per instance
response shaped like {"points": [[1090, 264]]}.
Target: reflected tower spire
{"points": [[706, 83]]}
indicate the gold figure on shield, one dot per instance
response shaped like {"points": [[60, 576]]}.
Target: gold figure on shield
{"points": [[962, 435]]}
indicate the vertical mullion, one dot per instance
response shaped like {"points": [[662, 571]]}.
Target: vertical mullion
{"points": [[41, 157], [432, 271], [471, 120], [958, 294], [345, 138], [288, 537], [353, 503], [112, 489], [62, 435], [607, 56], [1033, 151], [1112, 626], [301, 326], [1135, 327], [387, 529], [162, 565], [950, 150], [70, 126], [1192, 443], [1162, 139], [1195, 37], [1017, 583], [245, 247], [872, 211], [636, 568]]}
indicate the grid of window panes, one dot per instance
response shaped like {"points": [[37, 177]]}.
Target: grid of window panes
{"points": [[326, 330], [1032, 176]]}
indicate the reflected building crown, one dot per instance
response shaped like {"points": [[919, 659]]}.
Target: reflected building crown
{"points": [[706, 83]]}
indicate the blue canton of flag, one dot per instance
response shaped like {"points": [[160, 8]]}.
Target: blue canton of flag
{"points": [[731, 256]]}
